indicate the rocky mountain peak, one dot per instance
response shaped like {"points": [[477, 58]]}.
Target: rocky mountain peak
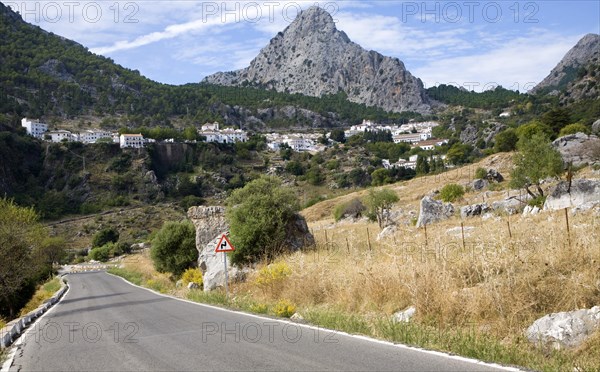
{"points": [[312, 57], [585, 52]]}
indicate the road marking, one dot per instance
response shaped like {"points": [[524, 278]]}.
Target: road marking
{"points": [[316, 328]]}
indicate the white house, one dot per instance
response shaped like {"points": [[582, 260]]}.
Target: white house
{"points": [[214, 127], [430, 144], [34, 127], [234, 135], [91, 136], [299, 143], [61, 135], [131, 141]]}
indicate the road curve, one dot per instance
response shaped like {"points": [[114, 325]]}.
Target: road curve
{"points": [[106, 324]]}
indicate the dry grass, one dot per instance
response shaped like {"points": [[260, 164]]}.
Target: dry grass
{"points": [[139, 270], [43, 293], [411, 192]]}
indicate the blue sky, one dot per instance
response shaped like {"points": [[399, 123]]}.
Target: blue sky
{"points": [[475, 44]]}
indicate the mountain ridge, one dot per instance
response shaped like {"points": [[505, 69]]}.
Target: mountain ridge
{"points": [[312, 57], [582, 54]]}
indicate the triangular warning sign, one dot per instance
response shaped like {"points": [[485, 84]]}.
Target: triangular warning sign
{"points": [[224, 245]]}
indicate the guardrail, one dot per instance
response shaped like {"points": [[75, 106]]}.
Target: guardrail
{"points": [[13, 329]]}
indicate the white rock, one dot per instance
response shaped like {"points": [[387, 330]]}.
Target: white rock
{"points": [[564, 330], [404, 316], [192, 285]]}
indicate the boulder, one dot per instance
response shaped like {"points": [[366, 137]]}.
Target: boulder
{"points": [[529, 210], [388, 231], [595, 205], [210, 226], [433, 211], [474, 210], [192, 285], [596, 127], [298, 234], [564, 330], [479, 184], [511, 205], [578, 149], [582, 191], [404, 316], [494, 176]]}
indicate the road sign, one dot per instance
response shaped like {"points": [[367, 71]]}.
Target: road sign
{"points": [[224, 245]]}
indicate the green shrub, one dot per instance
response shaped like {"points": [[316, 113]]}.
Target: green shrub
{"points": [[101, 254], [284, 308], [104, 236], [259, 215], [451, 192], [480, 173], [538, 201], [353, 208], [174, 247]]}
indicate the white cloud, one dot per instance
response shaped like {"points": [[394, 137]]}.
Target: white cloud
{"points": [[519, 63]]}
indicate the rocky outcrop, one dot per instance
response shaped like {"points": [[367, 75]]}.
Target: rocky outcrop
{"points": [[313, 58], [387, 232], [578, 149], [580, 192], [564, 330], [581, 54], [474, 210], [432, 210], [511, 205], [479, 184], [596, 127], [210, 225], [494, 176]]}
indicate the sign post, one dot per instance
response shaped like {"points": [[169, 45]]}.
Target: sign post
{"points": [[225, 246]]}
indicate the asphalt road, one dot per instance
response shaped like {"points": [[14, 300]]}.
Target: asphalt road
{"points": [[106, 324]]}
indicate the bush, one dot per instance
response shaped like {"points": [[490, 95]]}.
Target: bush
{"points": [[190, 201], [538, 201], [101, 254], [259, 215], [284, 308], [574, 128], [174, 247], [269, 277], [104, 236], [480, 173], [192, 275], [506, 140], [353, 208], [451, 192]]}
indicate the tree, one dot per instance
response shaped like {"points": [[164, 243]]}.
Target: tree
{"points": [[536, 160], [379, 203], [556, 119], [104, 236], [20, 233], [459, 153], [258, 216], [174, 247], [380, 177], [506, 140], [422, 166], [190, 133], [338, 135]]}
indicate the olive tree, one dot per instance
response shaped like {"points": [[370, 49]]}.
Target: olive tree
{"points": [[535, 160], [379, 203]]}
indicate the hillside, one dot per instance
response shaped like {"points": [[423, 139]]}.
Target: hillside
{"points": [[585, 55], [47, 76], [313, 58]]}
